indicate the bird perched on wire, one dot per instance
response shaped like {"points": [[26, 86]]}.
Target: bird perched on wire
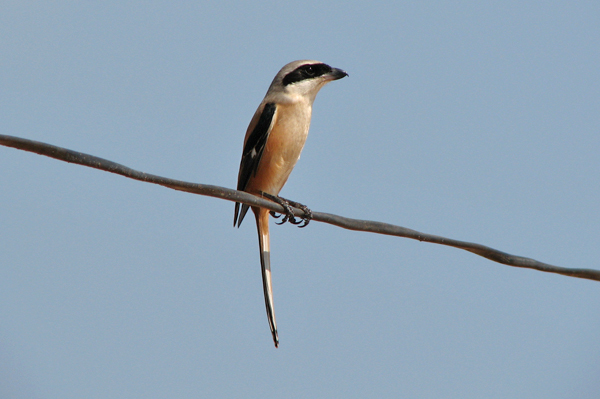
{"points": [[272, 146]]}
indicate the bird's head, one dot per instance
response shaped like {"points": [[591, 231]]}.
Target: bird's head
{"points": [[302, 80]]}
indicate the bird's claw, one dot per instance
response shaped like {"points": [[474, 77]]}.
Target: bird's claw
{"points": [[308, 215], [289, 216]]}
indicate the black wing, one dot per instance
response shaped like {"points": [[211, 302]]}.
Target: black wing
{"points": [[251, 155]]}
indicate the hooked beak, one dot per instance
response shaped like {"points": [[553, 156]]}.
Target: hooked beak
{"points": [[336, 74]]}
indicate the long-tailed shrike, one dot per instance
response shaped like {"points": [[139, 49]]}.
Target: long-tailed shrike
{"points": [[272, 146]]}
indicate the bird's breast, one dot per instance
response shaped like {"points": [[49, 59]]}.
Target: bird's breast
{"points": [[282, 150]]}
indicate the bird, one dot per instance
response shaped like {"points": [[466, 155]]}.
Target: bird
{"points": [[274, 140]]}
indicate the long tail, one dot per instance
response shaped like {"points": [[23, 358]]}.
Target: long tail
{"points": [[262, 224]]}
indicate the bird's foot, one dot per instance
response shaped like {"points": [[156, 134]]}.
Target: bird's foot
{"points": [[289, 214], [308, 215]]}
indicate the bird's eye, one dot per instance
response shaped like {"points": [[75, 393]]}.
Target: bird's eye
{"points": [[310, 71]]}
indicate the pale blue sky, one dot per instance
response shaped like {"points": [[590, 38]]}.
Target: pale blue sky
{"points": [[477, 121]]}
